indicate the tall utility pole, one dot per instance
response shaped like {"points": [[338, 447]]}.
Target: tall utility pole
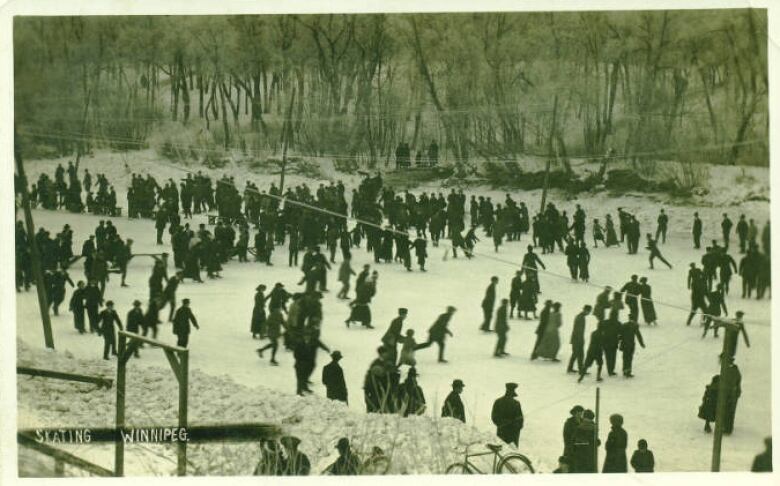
{"points": [[731, 334], [550, 141], [596, 429], [40, 286], [286, 134]]}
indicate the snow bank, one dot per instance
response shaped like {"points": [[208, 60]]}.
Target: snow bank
{"points": [[415, 445]]}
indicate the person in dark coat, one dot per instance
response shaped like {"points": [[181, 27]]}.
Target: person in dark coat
{"points": [[135, 320], [502, 329], [544, 318], [453, 405], [632, 290], [181, 323], [93, 299], [507, 415], [617, 441], [595, 352], [763, 461], [411, 399], [629, 334], [578, 341], [107, 319], [168, 296], [585, 444], [381, 383], [610, 341], [274, 325], [733, 391], [569, 428], [602, 303], [393, 334], [305, 353], [652, 245], [642, 459], [646, 302], [258, 313], [438, 332], [709, 403], [77, 305], [296, 463], [488, 302], [697, 231], [347, 464], [333, 379]]}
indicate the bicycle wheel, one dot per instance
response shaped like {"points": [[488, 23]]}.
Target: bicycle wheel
{"points": [[458, 468], [515, 464]]}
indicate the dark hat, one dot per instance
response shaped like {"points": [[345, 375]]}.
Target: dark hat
{"points": [[576, 409], [511, 387], [413, 371], [739, 314], [336, 355], [343, 443], [290, 441], [588, 414], [185, 301], [110, 303], [450, 308], [260, 287], [136, 303], [457, 383], [403, 310]]}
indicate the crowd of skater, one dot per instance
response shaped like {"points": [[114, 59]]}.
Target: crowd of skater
{"points": [[393, 225]]}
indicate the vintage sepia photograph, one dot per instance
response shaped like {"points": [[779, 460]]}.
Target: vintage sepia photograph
{"points": [[390, 243]]}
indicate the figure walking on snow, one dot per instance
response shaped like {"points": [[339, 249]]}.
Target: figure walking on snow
{"points": [[502, 329], [488, 303], [438, 332], [652, 245]]}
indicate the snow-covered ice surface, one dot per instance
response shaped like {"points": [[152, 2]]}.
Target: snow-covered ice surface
{"points": [[660, 404]]}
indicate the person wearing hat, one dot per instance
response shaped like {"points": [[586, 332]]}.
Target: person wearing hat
{"points": [[740, 326], [411, 396], [296, 462], [438, 332], [258, 313], [488, 302], [380, 385], [595, 352], [107, 319], [585, 444], [453, 405], [305, 354], [333, 379], [617, 441], [135, 320], [181, 323], [569, 427], [530, 261], [278, 297], [347, 464], [393, 335], [122, 258], [507, 415]]}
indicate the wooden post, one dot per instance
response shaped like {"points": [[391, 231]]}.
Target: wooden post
{"points": [[596, 429], [40, 285], [730, 334], [184, 358], [119, 451], [286, 134], [550, 140]]}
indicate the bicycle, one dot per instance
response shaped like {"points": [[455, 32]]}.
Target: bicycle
{"points": [[512, 463]]}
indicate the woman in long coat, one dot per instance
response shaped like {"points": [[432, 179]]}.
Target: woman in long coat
{"points": [[612, 239], [617, 441], [528, 298], [709, 403], [551, 339], [258, 313], [648, 308]]}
